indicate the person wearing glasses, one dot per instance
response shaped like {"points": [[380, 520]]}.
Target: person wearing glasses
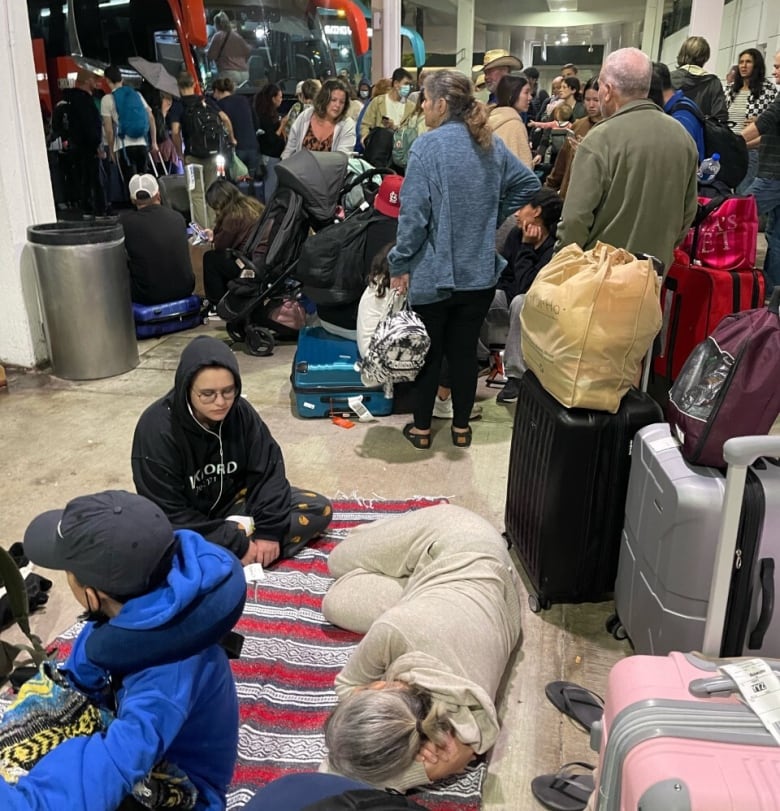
{"points": [[206, 458]]}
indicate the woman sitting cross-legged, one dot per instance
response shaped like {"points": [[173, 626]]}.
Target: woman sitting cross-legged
{"points": [[205, 457], [436, 595]]}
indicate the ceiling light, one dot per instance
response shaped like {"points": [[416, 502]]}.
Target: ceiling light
{"points": [[557, 42]]}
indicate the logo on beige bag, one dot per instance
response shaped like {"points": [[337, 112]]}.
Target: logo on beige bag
{"points": [[543, 305]]}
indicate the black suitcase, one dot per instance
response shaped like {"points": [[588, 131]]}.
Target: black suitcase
{"points": [[566, 494]]}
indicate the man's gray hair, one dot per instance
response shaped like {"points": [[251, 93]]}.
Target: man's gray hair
{"points": [[629, 71]]}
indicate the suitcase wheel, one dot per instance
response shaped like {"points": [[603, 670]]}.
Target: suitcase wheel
{"points": [[258, 341], [537, 604], [615, 627]]}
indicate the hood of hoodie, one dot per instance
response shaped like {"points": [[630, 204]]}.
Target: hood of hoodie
{"points": [[503, 115], [693, 76], [203, 351], [199, 602]]}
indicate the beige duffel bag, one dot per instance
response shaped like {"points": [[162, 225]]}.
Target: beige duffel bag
{"points": [[587, 322]]}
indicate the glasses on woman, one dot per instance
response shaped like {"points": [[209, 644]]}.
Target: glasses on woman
{"points": [[208, 396]]}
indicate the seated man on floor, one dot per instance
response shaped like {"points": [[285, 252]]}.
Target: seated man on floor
{"points": [[527, 249], [436, 595], [158, 254], [204, 455], [158, 603]]}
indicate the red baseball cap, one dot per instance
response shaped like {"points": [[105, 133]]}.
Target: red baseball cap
{"points": [[388, 198]]}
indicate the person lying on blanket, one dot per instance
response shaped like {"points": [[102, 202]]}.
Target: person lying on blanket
{"points": [[158, 603], [436, 595], [204, 455]]}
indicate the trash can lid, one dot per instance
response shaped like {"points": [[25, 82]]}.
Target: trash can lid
{"points": [[76, 233]]}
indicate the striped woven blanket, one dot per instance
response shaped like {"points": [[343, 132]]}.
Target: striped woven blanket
{"points": [[288, 665]]}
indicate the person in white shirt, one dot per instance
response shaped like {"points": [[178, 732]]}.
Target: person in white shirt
{"points": [[130, 153]]}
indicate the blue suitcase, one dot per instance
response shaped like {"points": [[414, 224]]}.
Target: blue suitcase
{"points": [[326, 373], [152, 320]]}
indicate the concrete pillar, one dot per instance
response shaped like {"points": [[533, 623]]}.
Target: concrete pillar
{"points": [[651, 32], [391, 36], [464, 37], [706, 21], [25, 190]]}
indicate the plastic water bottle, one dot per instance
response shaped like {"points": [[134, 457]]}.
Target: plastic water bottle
{"points": [[709, 168]]}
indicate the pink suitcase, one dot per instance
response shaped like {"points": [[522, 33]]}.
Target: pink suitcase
{"points": [[674, 738]]}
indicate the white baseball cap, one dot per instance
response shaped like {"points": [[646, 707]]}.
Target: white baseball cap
{"points": [[143, 183]]}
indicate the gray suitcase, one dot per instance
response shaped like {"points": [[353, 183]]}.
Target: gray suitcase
{"points": [[680, 522]]}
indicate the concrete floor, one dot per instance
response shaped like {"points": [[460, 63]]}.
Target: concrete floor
{"points": [[61, 439]]}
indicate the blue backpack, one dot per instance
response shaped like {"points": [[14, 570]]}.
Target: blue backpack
{"points": [[131, 112]]}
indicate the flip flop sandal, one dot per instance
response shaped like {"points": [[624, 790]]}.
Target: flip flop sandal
{"points": [[567, 790], [583, 706]]}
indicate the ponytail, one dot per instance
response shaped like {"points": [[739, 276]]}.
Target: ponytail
{"points": [[458, 94]]}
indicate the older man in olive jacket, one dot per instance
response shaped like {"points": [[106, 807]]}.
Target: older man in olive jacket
{"points": [[633, 180]]}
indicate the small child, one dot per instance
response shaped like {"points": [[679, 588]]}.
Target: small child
{"points": [[378, 300]]}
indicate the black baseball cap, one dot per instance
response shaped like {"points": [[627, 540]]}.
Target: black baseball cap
{"points": [[114, 541]]}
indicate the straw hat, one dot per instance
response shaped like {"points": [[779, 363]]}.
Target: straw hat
{"points": [[499, 58], [479, 82]]}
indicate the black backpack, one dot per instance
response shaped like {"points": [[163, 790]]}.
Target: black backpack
{"points": [[378, 146], [364, 800], [203, 131], [720, 137], [332, 264]]}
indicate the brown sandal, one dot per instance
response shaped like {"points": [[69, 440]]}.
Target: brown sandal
{"points": [[420, 441], [461, 439]]}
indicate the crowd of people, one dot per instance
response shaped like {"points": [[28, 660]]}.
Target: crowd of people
{"points": [[159, 573]]}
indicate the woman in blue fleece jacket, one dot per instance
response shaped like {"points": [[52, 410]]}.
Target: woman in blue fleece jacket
{"points": [[159, 602], [460, 184]]}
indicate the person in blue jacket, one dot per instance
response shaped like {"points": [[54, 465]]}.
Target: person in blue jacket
{"points": [[461, 183], [158, 604]]}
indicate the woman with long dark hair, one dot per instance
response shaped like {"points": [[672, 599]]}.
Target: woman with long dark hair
{"points": [[326, 125], [749, 95], [460, 183], [513, 95], [237, 216], [270, 133]]}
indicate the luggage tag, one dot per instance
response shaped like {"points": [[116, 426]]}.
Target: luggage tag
{"points": [[362, 412], [760, 689]]}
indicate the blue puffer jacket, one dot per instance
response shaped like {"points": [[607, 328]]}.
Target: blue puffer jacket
{"points": [[454, 197], [176, 696]]}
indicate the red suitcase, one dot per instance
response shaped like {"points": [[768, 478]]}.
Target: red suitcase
{"points": [[694, 300], [674, 737]]}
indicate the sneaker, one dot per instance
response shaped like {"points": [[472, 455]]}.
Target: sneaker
{"points": [[510, 392], [442, 410]]}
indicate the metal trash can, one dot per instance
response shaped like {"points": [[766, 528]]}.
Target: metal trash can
{"points": [[84, 287]]}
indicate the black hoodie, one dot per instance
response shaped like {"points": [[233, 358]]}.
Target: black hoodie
{"points": [[703, 88], [196, 474]]}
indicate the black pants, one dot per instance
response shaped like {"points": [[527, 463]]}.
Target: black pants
{"points": [[219, 268], [86, 176], [133, 160], [453, 326]]}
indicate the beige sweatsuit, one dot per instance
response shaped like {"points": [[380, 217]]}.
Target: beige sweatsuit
{"points": [[436, 594]]}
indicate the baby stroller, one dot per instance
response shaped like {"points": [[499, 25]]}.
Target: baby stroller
{"points": [[310, 186], [362, 184]]}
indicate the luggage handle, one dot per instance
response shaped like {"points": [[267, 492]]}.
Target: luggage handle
{"points": [[722, 685], [767, 578], [658, 266], [739, 452]]}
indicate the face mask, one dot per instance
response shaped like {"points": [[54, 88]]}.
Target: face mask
{"points": [[405, 90], [364, 94]]}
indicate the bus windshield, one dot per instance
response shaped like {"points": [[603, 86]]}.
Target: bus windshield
{"points": [[288, 44], [287, 41]]}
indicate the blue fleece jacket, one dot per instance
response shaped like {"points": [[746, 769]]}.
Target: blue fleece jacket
{"points": [[454, 196], [185, 709]]}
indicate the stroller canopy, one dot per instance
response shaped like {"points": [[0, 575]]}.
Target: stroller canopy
{"points": [[318, 177]]}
